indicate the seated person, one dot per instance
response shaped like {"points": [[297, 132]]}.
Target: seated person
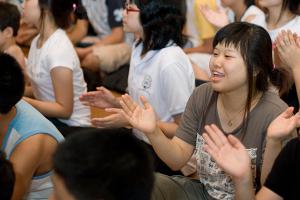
{"points": [[105, 17], [9, 25], [7, 177], [110, 163], [201, 52], [26, 136]]}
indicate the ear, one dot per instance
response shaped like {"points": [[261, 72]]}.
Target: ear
{"points": [[8, 32]]}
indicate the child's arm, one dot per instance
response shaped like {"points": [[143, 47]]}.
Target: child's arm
{"points": [[62, 80]]}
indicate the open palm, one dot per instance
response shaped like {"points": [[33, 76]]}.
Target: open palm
{"points": [[284, 124], [102, 98], [217, 17], [141, 118], [228, 152]]}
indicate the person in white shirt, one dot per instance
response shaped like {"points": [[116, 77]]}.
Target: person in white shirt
{"points": [[159, 69], [53, 66]]}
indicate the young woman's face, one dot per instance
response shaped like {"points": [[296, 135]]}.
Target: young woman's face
{"points": [[269, 3], [31, 12], [228, 69], [131, 18]]}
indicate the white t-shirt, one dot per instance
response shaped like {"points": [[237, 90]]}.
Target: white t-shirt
{"points": [[165, 77], [259, 18], [57, 51], [293, 25]]}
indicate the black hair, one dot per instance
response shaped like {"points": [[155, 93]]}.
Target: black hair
{"points": [[162, 22], [249, 3], [61, 11], [108, 164], [255, 45], [12, 83], [291, 5], [7, 177], [9, 17]]}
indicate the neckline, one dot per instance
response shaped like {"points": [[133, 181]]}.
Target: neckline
{"points": [[239, 127]]}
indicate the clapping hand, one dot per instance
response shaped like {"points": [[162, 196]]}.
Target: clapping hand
{"points": [[217, 17], [282, 126], [141, 118], [228, 152], [288, 45], [102, 98]]}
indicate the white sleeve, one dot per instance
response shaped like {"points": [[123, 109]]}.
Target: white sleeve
{"points": [[177, 85], [62, 55]]}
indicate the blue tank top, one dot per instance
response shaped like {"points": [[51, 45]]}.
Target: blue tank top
{"points": [[28, 122]]}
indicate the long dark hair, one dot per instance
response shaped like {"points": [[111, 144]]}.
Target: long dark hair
{"points": [[61, 11], [162, 22], [255, 46]]}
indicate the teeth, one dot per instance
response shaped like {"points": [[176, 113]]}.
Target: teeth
{"points": [[218, 73]]}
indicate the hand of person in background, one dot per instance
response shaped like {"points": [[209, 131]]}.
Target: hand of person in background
{"points": [[218, 18], [114, 120], [102, 98], [228, 152], [141, 118], [283, 125], [288, 45]]}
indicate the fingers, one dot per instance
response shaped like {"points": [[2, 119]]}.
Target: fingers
{"points": [[236, 143], [145, 102], [216, 135], [287, 113], [106, 122]]}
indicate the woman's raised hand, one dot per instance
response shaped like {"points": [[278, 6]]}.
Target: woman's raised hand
{"points": [[141, 118], [228, 152]]}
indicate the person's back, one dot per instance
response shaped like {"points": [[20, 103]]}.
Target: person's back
{"points": [[102, 164], [28, 139]]}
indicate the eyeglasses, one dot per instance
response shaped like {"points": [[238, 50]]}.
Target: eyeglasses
{"points": [[130, 9]]}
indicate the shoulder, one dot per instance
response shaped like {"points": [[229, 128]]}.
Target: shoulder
{"points": [[172, 54], [272, 101], [202, 93]]}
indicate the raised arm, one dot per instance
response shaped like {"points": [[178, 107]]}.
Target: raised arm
{"points": [[288, 45], [174, 152]]}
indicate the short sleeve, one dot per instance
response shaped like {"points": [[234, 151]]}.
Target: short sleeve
{"points": [[193, 113], [115, 9], [62, 55], [177, 85]]}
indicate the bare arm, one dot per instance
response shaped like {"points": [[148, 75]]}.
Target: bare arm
{"points": [[78, 31], [26, 159], [205, 47], [63, 106], [116, 36], [174, 152], [169, 128]]}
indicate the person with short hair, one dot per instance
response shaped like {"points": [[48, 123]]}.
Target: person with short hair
{"points": [[237, 99], [102, 164], [9, 26], [26, 136]]}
